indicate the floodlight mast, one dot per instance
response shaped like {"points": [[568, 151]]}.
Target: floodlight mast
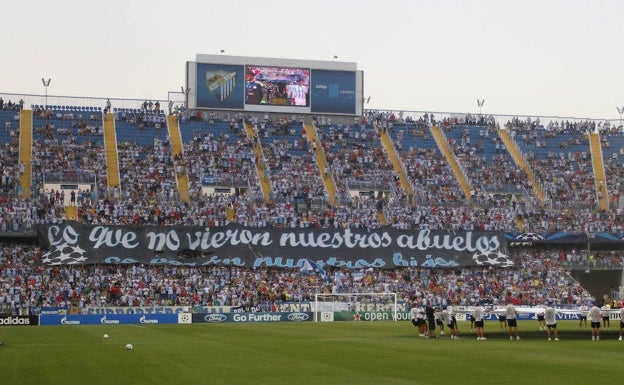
{"points": [[46, 84], [185, 92], [480, 103]]}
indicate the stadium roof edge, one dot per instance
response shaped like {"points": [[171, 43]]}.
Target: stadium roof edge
{"points": [[242, 60]]}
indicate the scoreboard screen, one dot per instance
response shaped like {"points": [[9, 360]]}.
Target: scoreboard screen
{"points": [[274, 85], [281, 86]]}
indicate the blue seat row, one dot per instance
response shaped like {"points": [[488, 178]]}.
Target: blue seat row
{"points": [[67, 108]]}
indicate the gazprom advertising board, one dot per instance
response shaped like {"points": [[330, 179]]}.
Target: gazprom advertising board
{"points": [[108, 319], [274, 85]]}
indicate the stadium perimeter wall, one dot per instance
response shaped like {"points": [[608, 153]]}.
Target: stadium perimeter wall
{"points": [[241, 317]]}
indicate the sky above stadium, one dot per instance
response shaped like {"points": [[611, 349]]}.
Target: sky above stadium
{"points": [[531, 57]]}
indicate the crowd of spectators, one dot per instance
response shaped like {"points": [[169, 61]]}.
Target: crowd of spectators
{"points": [[70, 145], [26, 287], [355, 158]]}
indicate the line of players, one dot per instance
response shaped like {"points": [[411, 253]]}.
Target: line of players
{"points": [[428, 318]]}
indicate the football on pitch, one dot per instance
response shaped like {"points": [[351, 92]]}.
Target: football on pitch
{"points": [[129, 347], [105, 336]]}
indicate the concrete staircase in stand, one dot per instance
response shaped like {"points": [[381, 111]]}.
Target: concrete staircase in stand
{"points": [[321, 161], [600, 176], [25, 152], [110, 149], [178, 152], [445, 149]]}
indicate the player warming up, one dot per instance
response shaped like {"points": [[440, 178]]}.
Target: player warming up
{"points": [[479, 314], [550, 317], [594, 318], [512, 322]]}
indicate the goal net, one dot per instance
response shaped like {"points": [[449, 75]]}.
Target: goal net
{"points": [[325, 304]]}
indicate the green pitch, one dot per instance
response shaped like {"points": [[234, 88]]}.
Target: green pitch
{"points": [[304, 353]]}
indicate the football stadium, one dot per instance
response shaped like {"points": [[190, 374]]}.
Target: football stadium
{"points": [[262, 225]]}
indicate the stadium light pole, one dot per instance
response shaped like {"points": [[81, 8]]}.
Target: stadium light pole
{"points": [[185, 92], [46, 84], [621, 111], [480, 103]]}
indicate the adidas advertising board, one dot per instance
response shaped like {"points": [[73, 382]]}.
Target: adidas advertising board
{"points": [[32, 320]]}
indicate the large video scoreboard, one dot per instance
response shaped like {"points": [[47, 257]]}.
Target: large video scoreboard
{"points": [[223, 82]]}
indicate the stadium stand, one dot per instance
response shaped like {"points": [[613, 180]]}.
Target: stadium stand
{"points": [[220, 159]]}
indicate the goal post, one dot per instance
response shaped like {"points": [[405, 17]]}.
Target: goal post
{"points": [[327, 303]]}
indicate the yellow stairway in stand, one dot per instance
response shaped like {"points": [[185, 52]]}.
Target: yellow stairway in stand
{"points": [[444, 147], [229, 213], [71, 213], [25, 152], [388, 145], [321, 162], [516, 155], [175, 135], [382, 218], [599, 172], [178, 153], [265, 182], [110, 149]]}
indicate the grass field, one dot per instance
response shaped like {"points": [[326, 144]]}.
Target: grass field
{"points": [[303, 353]]}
